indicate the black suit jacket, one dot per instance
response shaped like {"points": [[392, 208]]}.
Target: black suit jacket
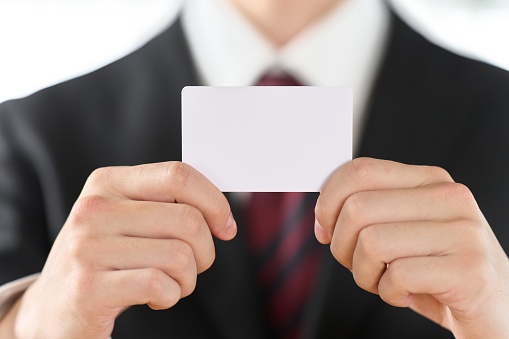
{"points": [[428, 106]]}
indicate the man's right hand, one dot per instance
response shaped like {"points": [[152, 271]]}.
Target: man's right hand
{"points": [[136, 235]]}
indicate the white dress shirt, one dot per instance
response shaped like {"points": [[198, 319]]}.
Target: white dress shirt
{"points": [[344, 48]]}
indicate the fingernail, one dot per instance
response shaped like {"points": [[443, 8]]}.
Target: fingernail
{"points": [[231, 226], [320, 234]]}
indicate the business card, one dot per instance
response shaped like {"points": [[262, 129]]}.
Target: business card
{"points": [[267, 138]]}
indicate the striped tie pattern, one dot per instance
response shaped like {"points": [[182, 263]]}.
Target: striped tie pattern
{"points": [[287, 255]]}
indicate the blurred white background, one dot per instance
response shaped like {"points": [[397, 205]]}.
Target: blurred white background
{"points": [[43, 42]]}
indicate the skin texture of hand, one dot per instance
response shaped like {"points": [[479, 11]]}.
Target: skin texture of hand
{"points": [[418, 239], [136, 235]]}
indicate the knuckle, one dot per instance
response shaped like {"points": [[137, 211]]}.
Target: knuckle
{"points": [[82, 286], [363, 282], [182, 256], [388, 297], [89, 204], [439, 173], [81, 276], [461, 193], [355, 207], [358, 279], [152, 282], [360, 169], [398, 274], [183, 266], [208, 261], [369, 242], [86, 208], [454, 189], [78, 251], [178, 173], [189, 286], [99, 177], [193, 220], [79, 259]]}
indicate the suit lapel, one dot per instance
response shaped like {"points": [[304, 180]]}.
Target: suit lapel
{"points": [[410, 107]]}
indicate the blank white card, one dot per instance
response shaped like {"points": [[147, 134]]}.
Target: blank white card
{"points": [[267, 138]]}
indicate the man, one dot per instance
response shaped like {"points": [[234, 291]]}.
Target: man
{"points": [[140, 235]]}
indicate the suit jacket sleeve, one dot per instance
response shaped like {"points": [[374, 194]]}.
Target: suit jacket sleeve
{"points": [[24, 241]]}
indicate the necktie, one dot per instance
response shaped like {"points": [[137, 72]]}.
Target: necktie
{"points": [[287, 256]]}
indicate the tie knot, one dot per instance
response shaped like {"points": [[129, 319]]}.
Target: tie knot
{"points": [[282, 79]]}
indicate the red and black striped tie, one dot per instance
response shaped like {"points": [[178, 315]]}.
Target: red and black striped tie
{"points": [[287, 255]]}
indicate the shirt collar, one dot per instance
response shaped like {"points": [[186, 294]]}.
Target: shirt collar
{"points": [[229, 51], [343, 48]]}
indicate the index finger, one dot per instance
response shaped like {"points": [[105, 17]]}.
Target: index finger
{"points": [[367, 174], [170, 182]]}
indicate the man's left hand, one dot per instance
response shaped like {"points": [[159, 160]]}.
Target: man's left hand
{"points": [[418, 239]]}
